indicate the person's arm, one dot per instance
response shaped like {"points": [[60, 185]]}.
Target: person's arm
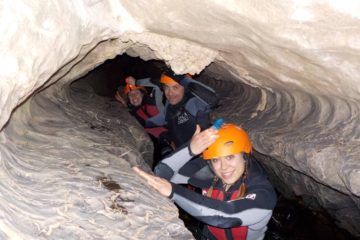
{"points": [[169, 167], [203, 119], [201, 91], [255, 208], [156, 121], [200, 110]]}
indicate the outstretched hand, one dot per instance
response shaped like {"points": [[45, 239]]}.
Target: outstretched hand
{"points": [[202, 140], [160, 184]]}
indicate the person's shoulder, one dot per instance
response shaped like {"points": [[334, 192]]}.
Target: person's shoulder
{"points": [[195, 100], [257, 174], [195, 104]]}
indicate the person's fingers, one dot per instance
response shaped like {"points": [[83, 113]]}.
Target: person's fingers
{"points": [[207, 136], [135, 168], [142, 174], [152, 180], [197, 130], [211, 130], [159, 184]]}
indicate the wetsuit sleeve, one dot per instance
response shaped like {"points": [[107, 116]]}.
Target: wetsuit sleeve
{"points": [[201, 91], [200, 110], [255, 209], [169, 167], [203, 119], [156, 121]]}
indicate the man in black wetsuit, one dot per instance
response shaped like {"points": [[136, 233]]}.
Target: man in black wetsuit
{"points": [[184, 109]]}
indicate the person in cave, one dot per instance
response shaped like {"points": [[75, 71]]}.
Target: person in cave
{"points": [[143, 107], [188, 103], [237, 199]]}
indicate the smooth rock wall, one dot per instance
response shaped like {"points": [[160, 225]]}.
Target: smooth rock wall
{"points": [[66, 160]]}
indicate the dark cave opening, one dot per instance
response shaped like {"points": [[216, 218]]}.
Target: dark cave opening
{"points": [[291, 219], [106, 78]]}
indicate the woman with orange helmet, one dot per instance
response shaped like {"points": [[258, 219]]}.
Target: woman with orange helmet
{"points": [[144, 107], [237, 199], [141, 106]]}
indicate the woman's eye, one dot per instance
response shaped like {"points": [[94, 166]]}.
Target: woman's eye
{"points": [[214, 160], [229, 157]]}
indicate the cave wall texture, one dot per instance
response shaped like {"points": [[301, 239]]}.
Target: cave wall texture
{"points": [[288, 71]]}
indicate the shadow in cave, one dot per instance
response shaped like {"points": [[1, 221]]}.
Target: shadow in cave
{"points": [[106, 78], [290, 220]]}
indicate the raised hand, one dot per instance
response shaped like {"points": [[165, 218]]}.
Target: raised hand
{"points": [[202, 140]]}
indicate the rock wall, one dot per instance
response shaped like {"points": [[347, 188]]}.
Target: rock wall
{"points": [[288, 72]]}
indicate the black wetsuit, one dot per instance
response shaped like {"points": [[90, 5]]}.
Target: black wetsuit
{"points": [[145, 112], [182, 118], [225, 217]]}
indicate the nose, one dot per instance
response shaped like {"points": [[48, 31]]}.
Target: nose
{"points": [[223, 164], [170, 91]]}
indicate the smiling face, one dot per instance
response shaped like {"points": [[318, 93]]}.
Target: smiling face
{"points": [[135, 97], [174, 93], [229, 168]]}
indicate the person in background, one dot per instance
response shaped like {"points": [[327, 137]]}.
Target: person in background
{"points": [[237, 199], [143, 107], [119, 96], [188, 103]]}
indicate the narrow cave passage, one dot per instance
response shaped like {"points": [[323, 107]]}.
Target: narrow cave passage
{"points": [[287, 71], [291, 220]]}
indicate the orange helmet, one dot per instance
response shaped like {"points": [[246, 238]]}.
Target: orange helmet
{"points": [[129, 87], [232, 140], [170, 77], [164, 79]]}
